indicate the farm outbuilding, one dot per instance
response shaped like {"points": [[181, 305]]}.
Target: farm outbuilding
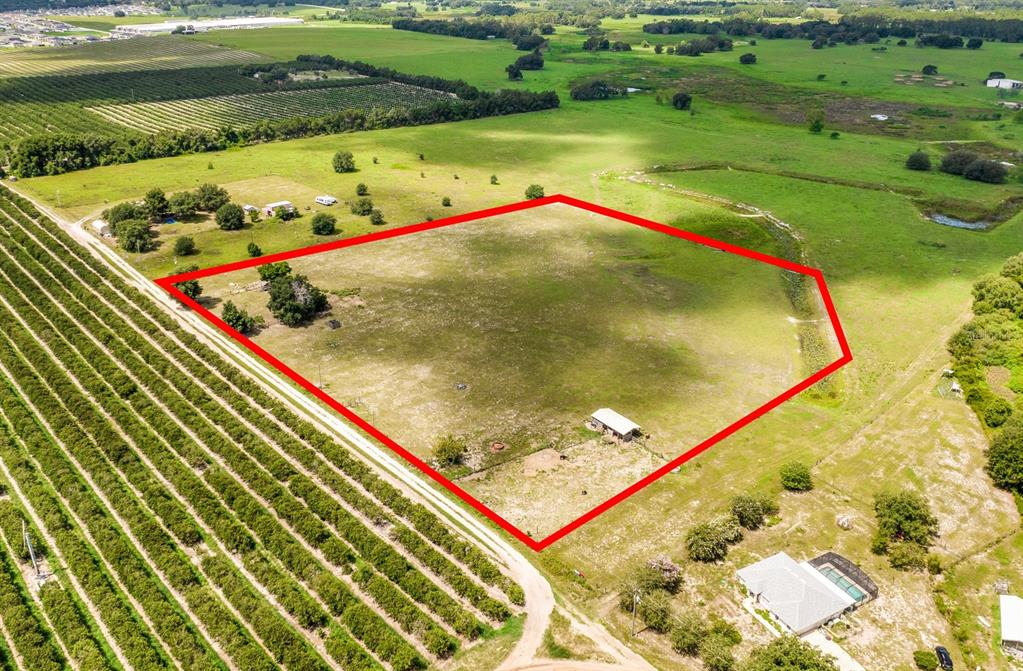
{"points": [[102, 228], [619, 426], [270, 209], [1004, 84], [1011, 610]]}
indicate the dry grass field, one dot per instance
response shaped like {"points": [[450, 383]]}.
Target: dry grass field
{"points": [[513, 329]]}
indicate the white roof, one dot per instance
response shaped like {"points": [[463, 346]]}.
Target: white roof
{"points": [[328, 198], [1002, 82], [797, 594], [1011, 608], [614, 421], [280, 203], [98, 224]]}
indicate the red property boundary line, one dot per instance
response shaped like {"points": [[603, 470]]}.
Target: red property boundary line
{"points": [[168, 283]]}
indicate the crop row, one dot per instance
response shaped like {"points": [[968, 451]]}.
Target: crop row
{"points": [[436, 642], [240, 110], [299, 437], [127, 388], [120, 56]]}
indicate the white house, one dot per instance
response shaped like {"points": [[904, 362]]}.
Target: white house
{"points": [[1004, 84], [621, 427], [102, 228], [1011, 608], [270, 209], [326, 200], [797, 595]]}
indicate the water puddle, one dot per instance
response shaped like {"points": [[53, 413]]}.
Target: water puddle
{"points": [[946, 220]]}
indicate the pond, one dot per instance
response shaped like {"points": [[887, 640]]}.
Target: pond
{"points": [[946, 220]]}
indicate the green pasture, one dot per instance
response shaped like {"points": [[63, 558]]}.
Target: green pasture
{"points": [[901, 283]]}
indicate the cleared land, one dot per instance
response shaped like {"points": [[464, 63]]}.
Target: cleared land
{"points": [[513, 329], [219, 111]]}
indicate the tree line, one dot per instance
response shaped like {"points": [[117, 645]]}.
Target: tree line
{"points": [[851, 29], [57, 153]]}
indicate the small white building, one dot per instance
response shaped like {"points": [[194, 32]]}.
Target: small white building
{"points": [[1004, 84], [326, 200], [610, 421], [1011, 609], [250, 208], [102, 228], [270, 209]]}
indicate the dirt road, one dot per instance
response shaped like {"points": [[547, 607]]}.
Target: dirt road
{"points": [[538, 592]]}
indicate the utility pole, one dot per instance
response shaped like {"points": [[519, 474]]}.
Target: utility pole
{"points": [[635, 603], [28, 546]]}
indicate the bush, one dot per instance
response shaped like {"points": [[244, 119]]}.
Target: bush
{"points": [[183, 204], [269, 272], [751, 510], [903, 518], [716, 654], [681, 100], [795, 477], [709, 541], [122, 212], [654, 610], [343, 162], [929, 70], [907, 556], [449, 451], [597, 89], [184, 246], [134, 235], [919, 160], [362, 206], [689, 630], [445, 201], [230, 217], [323, 224], [983, 170], [294, 301], [254, 250], [1005, 457], [748, 59], [534, 191], [155, 204], [956, 162], [361, 189], [211, 197], [789, 652], [661, 573], [925, 660], [239, 320], [376, 217]]}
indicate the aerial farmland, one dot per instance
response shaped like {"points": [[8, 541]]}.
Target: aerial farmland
{"points": [[505, 336]]}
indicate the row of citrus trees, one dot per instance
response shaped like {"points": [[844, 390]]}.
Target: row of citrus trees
{"points": [[140, 405]]}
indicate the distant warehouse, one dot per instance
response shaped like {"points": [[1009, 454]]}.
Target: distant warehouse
{"points": [[1004, 84], [202, 26], [609, 421]]}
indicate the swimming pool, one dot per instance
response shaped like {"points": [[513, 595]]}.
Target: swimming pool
{"points": [[846, 585]]}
